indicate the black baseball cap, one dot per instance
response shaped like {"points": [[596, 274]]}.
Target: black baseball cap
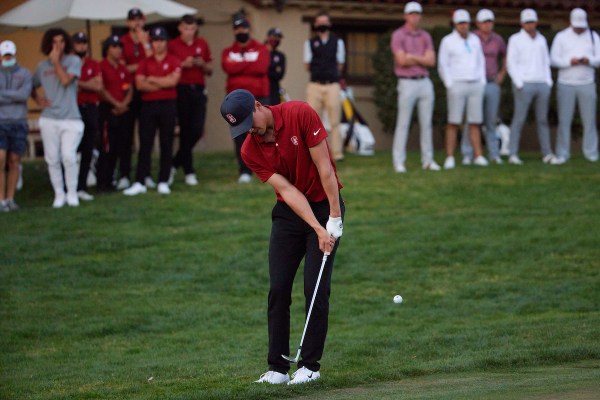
{"points": [[113, 40], [237, 109], [241, 22], [159, 33], [275, 32], [80, 37], [135, 13]]}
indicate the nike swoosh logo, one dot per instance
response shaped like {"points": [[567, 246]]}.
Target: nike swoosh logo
{"points": [[311, 374], [317, 131]]}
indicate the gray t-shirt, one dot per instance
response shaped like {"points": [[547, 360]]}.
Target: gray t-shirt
{"points": [[63, 99]]}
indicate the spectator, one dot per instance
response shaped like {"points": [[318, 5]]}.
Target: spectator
{"points": [[277, 65], [60, 123], [114, 109], [88, 97], [246, 63], [306, 219], [136, 47], [324, 58], [156, 78], [575, 52], [528, 64], [494, 50], [462, 68], [413, 54], [15, 88], [196, 63]]}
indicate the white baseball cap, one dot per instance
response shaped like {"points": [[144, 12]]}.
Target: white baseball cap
{"points": [[413, 7], [484, 15], [8, 47], [460, 16], [528, 15], [579, 18]]}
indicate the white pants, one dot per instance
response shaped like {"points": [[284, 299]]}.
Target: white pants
{"points": [[61, 138]]}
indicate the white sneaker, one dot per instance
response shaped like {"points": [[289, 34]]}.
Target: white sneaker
{"points": [[72, 199], [245, 178], [273, 377], [558, 161], [498, 160], [135, 189], [549, 159], [432, 166], [85, 196], [449, 163], [466, 160], [59, 200], [304, 375], [480, 161], [172, 175], [191, 180], [123, 183], [515, 160], [150, 184], [163, 188], [400, 168]]}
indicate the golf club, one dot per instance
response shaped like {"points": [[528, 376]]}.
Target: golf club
{"points": [[290, 359]]}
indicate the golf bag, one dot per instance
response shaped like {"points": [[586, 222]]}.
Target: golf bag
{"points": [[354, 130]]}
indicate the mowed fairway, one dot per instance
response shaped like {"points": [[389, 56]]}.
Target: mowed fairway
{"points": [[165, 297]]}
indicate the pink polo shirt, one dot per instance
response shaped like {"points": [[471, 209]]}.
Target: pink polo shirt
{"points": [[417, 42], [494, 48], [297, 128]]}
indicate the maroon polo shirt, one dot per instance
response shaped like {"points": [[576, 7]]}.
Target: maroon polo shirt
{"points": [[494, 48], [198, 48], [152, 67], [297, 128], [418, 42], [89, 69], [133, 53], [116, 79]]}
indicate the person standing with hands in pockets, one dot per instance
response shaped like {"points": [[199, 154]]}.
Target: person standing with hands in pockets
{"points": [[286, 147]]}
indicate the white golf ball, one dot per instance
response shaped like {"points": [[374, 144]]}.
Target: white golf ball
{"points": [[397, 299]]}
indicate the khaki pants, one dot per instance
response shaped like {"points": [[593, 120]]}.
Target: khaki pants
{"points": [[328, 96]]}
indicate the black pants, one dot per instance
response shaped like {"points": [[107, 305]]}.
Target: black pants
{"points": [[90, 118], [132, 116], [161, 115], [239, 141], [292, 239], [191, 111], [113, 144]]}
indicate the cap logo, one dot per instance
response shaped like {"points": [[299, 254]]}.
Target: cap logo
{"points": [[294, 140], [231, 118]]}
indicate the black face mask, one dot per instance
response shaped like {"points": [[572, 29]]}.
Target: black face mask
{"points": [[322, 28], [242, 37], [81, 54]]}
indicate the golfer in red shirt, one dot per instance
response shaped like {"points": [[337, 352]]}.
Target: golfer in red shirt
{"points": [[286, 147]]}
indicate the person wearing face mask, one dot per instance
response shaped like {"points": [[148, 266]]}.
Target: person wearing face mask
{"points": [[324, 58], [15, 87], [246, 63], [277, 66], [88, 97]]}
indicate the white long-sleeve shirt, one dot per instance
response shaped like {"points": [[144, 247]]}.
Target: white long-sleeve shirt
{"points": [[460, 59], [528, 59], [567, 45]]}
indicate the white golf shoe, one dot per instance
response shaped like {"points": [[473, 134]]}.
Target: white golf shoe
{"points": [[432, 166], [515, 160], [304, 375], [480, 161], [123, 183], [273, 377], [191, 179], [163, 188], [135, 189], [449, 163], [245, 178]]}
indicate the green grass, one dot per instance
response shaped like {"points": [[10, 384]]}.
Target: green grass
{"points": [[499, 269]]}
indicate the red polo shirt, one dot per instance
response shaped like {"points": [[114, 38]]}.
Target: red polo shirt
{"points": [[297, 128], [151, 67], [89, 69], [199, 48], [116, 79], [133, 52]]}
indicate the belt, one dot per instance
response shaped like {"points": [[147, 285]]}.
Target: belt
{"points": [[324, 82], [413, 77]]}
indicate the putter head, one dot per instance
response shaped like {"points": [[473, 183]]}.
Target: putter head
{"points": [[290, 359]]}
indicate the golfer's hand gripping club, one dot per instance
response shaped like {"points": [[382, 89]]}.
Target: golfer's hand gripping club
{"points": [[335, 227]]}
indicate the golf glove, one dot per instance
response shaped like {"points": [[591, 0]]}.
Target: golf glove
{"points": [[334, 227]]}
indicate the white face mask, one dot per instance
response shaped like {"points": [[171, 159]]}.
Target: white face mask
{"points": [[9, 63]]}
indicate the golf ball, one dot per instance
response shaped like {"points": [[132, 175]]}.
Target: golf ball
{"points": [[397, 299]]}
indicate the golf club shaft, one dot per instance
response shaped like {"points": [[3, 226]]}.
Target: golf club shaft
{"points": [[325, 255]]}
